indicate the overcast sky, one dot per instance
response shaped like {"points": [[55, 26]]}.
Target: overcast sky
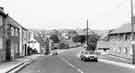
{"points": [[55, 14]]}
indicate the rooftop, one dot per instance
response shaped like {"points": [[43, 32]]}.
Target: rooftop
{"points": [[125, 28]]}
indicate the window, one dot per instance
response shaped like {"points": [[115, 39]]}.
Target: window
{"points": [[119, 50], [126, 37], [1, 43], [1, 22], [123, 50], [126, 50], [121, 37], [16, 32], [12, 31], [130, 51]]}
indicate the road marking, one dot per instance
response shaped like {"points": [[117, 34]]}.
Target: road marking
{"points": [[73, 66]]}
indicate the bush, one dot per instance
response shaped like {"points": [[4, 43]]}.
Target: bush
{"points": [[79, 38], [55, 38], [92, 42]]}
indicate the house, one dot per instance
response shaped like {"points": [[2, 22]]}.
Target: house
{"points": [[33, 43], [2, 47], [10, 37], [25, 36], [119, 42], [65, 35]]}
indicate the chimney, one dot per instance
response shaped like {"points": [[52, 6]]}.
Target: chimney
{"points": [[2, 9]]}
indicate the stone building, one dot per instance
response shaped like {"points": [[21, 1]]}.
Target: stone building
{"points": [[2, 47], [25, 36], [11, 37], [119, 42]]}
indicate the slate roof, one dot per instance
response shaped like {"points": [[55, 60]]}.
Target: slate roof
{"points": [[125, 28], [2, 12]]}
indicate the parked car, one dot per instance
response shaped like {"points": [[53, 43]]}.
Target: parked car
{"points": [[86, 55], [54, 53], [101, 52]]}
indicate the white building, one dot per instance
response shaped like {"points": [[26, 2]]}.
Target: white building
{"points": [[33, 43]]}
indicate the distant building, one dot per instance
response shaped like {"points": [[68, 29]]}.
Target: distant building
{"points": [[65, 35], [84, 32], [33, 43]]}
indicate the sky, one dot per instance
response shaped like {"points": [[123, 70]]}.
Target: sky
{"points": [[69, 14]]}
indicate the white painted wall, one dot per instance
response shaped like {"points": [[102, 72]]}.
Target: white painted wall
{"points": [[20, 42], [35, 44], [1, 43], [1, 23]]}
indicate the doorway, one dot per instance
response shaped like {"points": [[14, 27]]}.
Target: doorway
{"points": [[8, 50]]}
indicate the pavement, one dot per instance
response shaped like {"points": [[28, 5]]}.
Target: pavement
{"points": [[17, 64], [115, 60]]}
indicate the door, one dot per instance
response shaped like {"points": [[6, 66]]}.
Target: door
{"points": [[8, 50]]}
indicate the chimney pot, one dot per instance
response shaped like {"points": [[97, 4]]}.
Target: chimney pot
{"points": [[2, 8]]}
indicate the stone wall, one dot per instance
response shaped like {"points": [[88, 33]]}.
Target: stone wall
{"points": [[118, 48], [2, 55]]}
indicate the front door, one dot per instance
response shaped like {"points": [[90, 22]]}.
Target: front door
{"points": [[8, 50]]}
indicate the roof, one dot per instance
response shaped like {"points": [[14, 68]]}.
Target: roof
{"points": [[125, 28], [13, 22], [2, 12]]}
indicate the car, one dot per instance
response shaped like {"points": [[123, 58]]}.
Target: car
{"points": [[101, 52], [54, 53], [86, 55]]}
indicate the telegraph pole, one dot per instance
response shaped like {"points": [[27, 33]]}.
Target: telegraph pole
{"points": [[87, 33], [132, 32]]}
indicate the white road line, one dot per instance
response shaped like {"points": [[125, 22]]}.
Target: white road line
{"points": [[73, 66]]}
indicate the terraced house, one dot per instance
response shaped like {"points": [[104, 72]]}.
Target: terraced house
{"points": [[119, 42], [11, 37]]}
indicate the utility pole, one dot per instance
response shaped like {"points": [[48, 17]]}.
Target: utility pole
{"points": [[87, 33], [132, 32]]}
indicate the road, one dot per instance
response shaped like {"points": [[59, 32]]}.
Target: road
{"points": [[68, 62]]}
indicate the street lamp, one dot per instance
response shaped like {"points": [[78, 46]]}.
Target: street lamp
{"points": [[132, 33]]}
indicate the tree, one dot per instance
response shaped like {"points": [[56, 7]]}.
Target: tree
{"points": [[92, 42], [54, 38], [72, 33], [63, 46], [79, 38]]}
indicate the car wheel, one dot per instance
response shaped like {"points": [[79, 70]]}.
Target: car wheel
{"points": [[82, 59], [96, 60], [85, 59]]}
